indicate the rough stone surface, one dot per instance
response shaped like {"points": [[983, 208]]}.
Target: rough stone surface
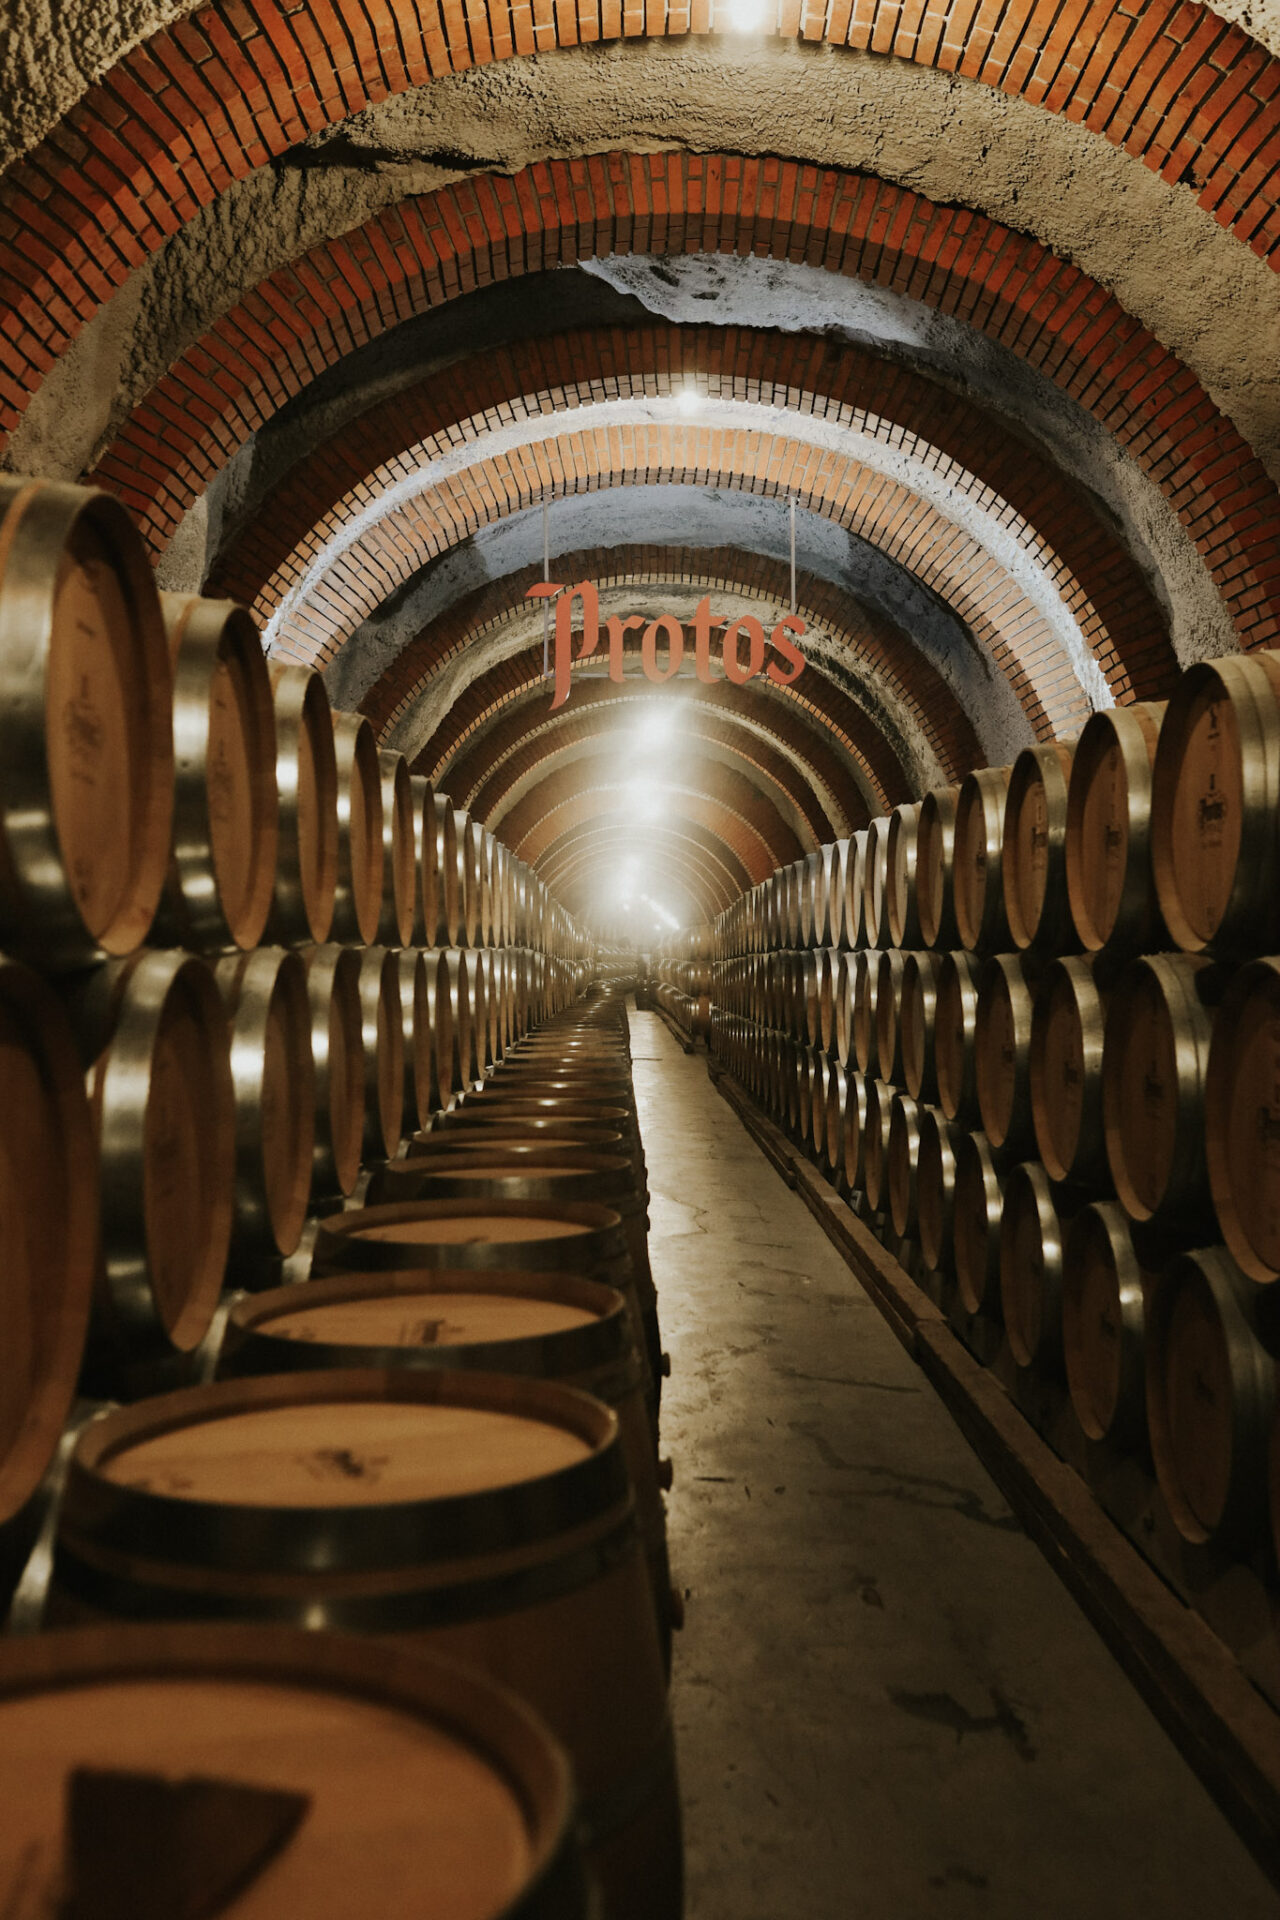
{"points": [[1169, 263], [885, 1701], [51, 50]]}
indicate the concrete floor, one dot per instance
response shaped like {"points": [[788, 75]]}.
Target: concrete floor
{"points": [[886, 1703]]}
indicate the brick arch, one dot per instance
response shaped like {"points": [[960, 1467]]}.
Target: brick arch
{"points": [[704, 791], [685, 852], [203, 102], [585, 458], [421, 252], [1053, 517], [840, 723], [578, 732], [778, 741], [874, 644]]}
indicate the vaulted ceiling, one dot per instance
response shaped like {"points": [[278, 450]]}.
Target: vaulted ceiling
{"points": [[977, 303]]}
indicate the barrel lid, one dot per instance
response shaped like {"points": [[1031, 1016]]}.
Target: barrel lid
{"points": [[422, 1786], [357, 1468]]}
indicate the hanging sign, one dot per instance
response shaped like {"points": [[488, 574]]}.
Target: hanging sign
{"points": [[744, 649]]}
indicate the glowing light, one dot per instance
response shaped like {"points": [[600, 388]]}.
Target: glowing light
{"points": [[688, 399], [748, 16], [656, 723], [664, 914], [644, 799]]}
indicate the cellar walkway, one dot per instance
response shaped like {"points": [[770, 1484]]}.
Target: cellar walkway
{"points": [[886, 1703]]}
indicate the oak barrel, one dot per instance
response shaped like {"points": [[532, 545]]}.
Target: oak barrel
{"points": [[307, 793], [1110, 880], [383, 1041], [977, 1204], [1155, 1059], [903, 1156], [273, 1074], [1211, 1399], [955, 1022], [401, 1783], [485, 1517], [400, 890], [977, 860], [916, 1014], [1034, 850], [357, 905], [156, 1038], [86, 727], [1242, 1119], [337, 1053], [1104, 1288], [48, 1228], [875, 927], [936, 1188], [1002, 1046], [1215, 803], [1068, 1023], [935, 860], [222, 870], [902, 912], [875, 1146], [1031, 1268]]}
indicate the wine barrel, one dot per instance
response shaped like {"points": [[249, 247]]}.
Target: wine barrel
{"points": [[904, 1152], [383, 1043], [400, 891], [845, 1046], [935, 860], [425, 909], [888, 1008], [1002, 1047], [1110, 882], [48, 1229], [834, 854], [977, 860], [828, 959], [1242, 1119], [1034, 850], [810, 1022], [469, 1795], [1067, 1025], [833, 1125], [936, 1188], [307, 791], [273, 1074], [483, 849], [357, 907], [222, 869], [1031, 1237], [875, 927], [1104, 1290], [875, 1147], [1215, 804], [815, 1132], [86, 727], [866, 967], [337, 1052], [977, 1204], [481, 1053], [155, 1037], [468, 878], [438, 1015], [548, 1326], [855, 1130], [955, 1022], [813, 899], [902, 912], [417, 1051], [918, 1001], [1155, 1056], [851, 881], [463, 1071], [1211, 1399], [480, 1516]]}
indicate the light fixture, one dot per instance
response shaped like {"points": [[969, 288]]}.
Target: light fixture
{"points": [[688, 399]]}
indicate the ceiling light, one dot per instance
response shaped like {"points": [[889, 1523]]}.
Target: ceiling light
{"points": [[749, 16], [688, 399], [656, 723]]}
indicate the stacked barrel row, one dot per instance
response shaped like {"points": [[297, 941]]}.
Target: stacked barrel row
{"points": [[447, 1438], [1031, 1025], [451, 1433], [680, 980]]}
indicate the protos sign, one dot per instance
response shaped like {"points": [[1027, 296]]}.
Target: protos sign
{"points": [[742, 650]]}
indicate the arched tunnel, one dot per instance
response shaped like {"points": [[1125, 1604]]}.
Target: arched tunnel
{"points": [[948, 334]]}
